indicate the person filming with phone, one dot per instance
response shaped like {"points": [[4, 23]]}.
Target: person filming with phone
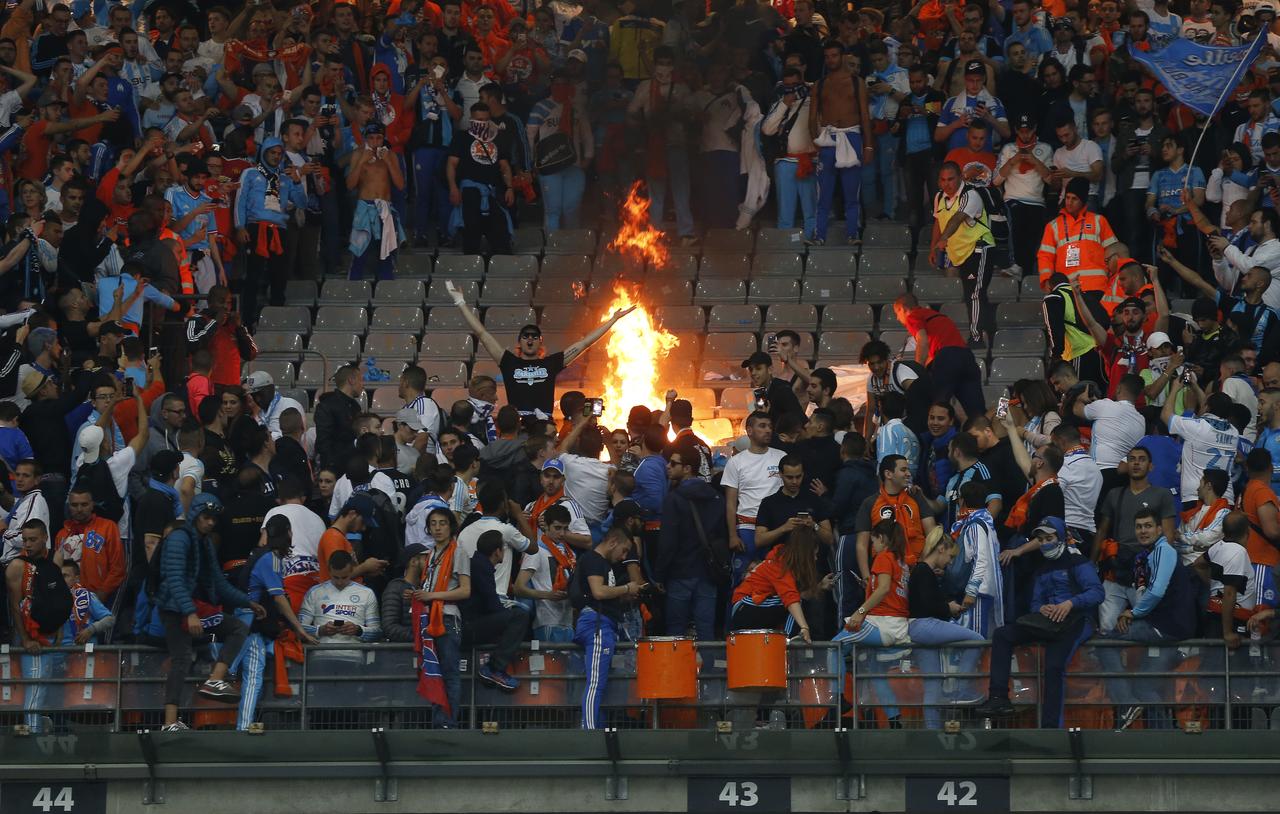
{"points": [[772, 395]]}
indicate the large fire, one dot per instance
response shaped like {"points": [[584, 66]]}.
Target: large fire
{"points": [[637, 345]]}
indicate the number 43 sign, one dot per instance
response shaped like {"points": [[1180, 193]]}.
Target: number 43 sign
{"points": [[969, 794], [759, 794], [53, 798]]}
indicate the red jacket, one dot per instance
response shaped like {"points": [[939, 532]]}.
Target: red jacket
{"points": [[100, 552], [768, 579]]}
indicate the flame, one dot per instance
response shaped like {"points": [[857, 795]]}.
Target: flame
{"points": [[637, 345], [636, 238], [579, 290]]}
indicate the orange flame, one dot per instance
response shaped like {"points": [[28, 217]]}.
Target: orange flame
{"points": [[636, 238], [636, 347], [579, 290], [637, 344]]}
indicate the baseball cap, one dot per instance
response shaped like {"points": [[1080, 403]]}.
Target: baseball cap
{"points": [[974, 67], [625, 510], [277, 527], [412, 550], [263, 69], [374, 128], [408, 415], [1132, 302], [554, 464], [757, 358], [90, 442], [242, 113], [1060, 23], [256, 381], [164, 462], [362, 504], [530, 330], [1024, 120], [1158, 340], [32, 382], [1045, 528], [50, 98], [578, 54]]}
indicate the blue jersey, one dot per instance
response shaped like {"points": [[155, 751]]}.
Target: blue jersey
{"points": [[894, 438], [1166, 455], [1269, 439], [957, 105], [267, 578], [1167, 185], [182, 201]]}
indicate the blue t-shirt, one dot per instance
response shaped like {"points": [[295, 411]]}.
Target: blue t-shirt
{"points": [[1269, 440], [14, 446], [1167, 185], [957, 104], [267, 578], [1166, 454]]}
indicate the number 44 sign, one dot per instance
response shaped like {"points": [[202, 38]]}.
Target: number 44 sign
{"points": [[969, 794], [53, 798]]}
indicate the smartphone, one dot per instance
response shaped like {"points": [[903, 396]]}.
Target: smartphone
{"points": [[761, 403], [128, 388], [771, 342], [1002, 407], [803, 515], [153, 352], [597, 407], [438, 71], [1188, 377]]}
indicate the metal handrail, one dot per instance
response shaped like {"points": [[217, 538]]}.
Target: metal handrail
{"points": [[827, 674]]}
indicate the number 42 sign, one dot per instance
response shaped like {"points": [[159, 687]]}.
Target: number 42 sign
{"points": [[969, 794], [53, 798]]}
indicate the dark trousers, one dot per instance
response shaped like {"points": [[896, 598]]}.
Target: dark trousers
{"points": [[922, 185], [263, 276], [1132, 225], [975, 277], [477, 224], [1057, 652], [955, 373], [1026, 228], [503, 630], [754, 617], [231, 632]]}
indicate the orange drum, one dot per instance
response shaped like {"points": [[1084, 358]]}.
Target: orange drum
{"points": [[545, 685], [666, 667], [757, 660]]}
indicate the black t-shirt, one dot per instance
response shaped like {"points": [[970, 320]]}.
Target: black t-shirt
{"points": [[591, 564], [153, 512], [531, 383], [778, 507], [219, 465], [240, 525], [478, 160], [75, 336], [290, 461], [782, 400]]}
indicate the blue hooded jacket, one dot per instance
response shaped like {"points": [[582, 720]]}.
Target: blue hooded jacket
{"points": [[251, 202], [1071, 576]]}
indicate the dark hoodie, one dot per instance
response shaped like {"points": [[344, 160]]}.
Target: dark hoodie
{"points": [[681, 553], [335, 411], [162, 437]]}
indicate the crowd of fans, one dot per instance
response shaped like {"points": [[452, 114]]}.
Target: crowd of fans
{"points": [[159, 163]]}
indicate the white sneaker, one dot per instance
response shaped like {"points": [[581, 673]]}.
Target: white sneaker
{"points": [[176, 726]]}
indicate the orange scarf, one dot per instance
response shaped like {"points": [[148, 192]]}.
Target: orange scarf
{"points": [[442, 568], [542, 503], [565, 562], [1018, 514], [1206, 518]]}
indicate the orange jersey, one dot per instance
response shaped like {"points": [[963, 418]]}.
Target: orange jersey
{"points": [[1256, 495], [894, 602]]}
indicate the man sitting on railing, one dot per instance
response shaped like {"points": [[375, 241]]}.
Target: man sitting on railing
{"points": [[1066, 593], [486, 620], [340, 611]]}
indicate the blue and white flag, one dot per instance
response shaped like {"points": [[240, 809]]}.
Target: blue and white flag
{"points": [[1200, 76]]}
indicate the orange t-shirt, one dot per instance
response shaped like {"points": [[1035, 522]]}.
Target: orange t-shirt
{"points": [[895, 602], [1256, 495], [85, 110], [332, 540], [963, 156], [35, 153]]}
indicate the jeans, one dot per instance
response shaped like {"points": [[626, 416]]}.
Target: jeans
{"points": [[1057, 653], [332, 237], [935, 631], [692, 598], [922, 185], [1142, 689], [1117, 598], [858, 642], [384, 267], [553, 633], [40, 666], [597, 635], [955, 373], [850, 179], [449, 653], [720, 182], [504, 630], [562, 198], [742, 559], [431, 199], [678, 181], [789, 189], [230, 631], [880, 177]]}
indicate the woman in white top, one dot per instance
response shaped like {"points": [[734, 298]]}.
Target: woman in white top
{"points": [[1231, 180], [1033, 408]]}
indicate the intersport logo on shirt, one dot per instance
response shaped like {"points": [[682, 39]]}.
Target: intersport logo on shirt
{"points": [[348, 611]]}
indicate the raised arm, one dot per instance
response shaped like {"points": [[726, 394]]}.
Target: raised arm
{"points": [[490, 344], [1098, 332], [577, 348], [1188, 275]]}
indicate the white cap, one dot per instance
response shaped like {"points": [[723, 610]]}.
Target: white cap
{"points": [[578, 54], [1158, 339], [90, 444], [257, 380]]}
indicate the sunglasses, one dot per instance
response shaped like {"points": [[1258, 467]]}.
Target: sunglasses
{"points": [[530, 336]]}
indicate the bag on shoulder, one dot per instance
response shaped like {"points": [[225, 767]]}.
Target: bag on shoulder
{"points": [[554, 153], [956, 575], [50, 596]]}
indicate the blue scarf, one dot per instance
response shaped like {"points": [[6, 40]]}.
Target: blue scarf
{"points": [[166, 489], [431, 104]]}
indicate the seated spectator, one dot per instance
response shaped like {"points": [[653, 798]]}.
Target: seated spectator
{"points": [[39, 605], [93, 545], [486, 620], [1236, 591], [544, 578], [1067, 592], [340, 611], [1202, 526]]}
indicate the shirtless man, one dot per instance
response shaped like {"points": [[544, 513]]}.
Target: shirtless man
{"points": [[375, 231], [843, 147]]}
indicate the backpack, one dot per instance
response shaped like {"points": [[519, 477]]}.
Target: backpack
{"points": [[997, 222], [96, 477], [387, 540], [50, 596]]}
